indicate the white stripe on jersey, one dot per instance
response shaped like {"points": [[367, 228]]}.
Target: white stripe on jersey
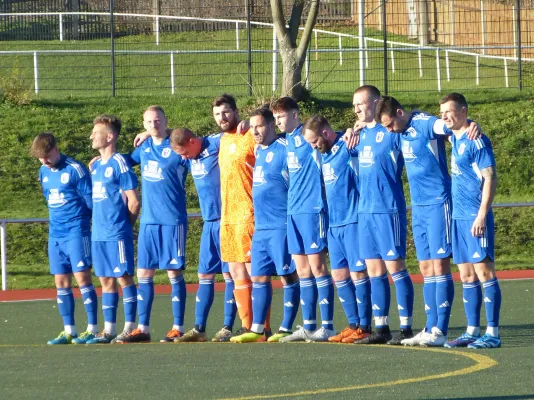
{"points": [[433, 147], [77, 167], [282, 141], [122, 163], [477, 171], [479, 143]]}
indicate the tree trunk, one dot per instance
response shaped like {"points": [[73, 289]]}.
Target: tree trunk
{"points": [[292, 80]]}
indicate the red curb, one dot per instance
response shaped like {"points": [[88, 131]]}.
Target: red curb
{"points": [[50, 294]]}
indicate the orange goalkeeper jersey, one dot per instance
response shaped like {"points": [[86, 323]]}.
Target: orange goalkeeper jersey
{"points": [[236, 162]]}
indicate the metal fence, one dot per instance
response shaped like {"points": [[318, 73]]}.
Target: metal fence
{"points": [[196, 48]]}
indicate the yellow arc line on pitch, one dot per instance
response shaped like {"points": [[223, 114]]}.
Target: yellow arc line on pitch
{"points": [[482, 363]]}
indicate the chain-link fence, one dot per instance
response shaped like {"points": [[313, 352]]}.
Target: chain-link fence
{"points": [[198, 48]]}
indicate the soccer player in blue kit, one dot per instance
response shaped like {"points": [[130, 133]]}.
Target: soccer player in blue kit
{"points": [[163, 229], [66, 187], [340, 173], [474, 182], [307, 226], [382, 217], [270, 255], [202, 159], [115, 209], [422, 138]]}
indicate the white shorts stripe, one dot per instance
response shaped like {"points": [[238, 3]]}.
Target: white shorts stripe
{"points": [[122, 256]]}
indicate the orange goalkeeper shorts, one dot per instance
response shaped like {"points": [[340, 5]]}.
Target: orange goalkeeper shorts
{"points": [[236, 242]]}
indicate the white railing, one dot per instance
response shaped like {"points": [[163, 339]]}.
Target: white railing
{"points": [[4, 222], [363, 48]]}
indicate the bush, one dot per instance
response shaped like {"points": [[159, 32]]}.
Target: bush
{"points": [[14, 89]]}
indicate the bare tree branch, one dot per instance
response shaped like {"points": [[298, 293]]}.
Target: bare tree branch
{"points": [[294, 21], [279, 21], [308, 28]]}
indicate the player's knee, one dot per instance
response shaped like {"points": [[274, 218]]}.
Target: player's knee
{"points": [[126, 280], [174, 273], [426, 267], [210, 276], [359, 275], [109, 285], [485, 270], [145, 273], [83, 278], [442, 266], [290, 278], [261, 279], [340, 274], [467, 273], [62, 281]]}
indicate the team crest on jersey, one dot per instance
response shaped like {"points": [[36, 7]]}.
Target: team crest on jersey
{"points": [[65, 178], [407, 152], [99, 192], [411, 131], [166, 152], [232, 148], [108, 172], [298, 141], [334, 149], [258, 177], [269, 157], [198, 169], [45, 179], [152, 172], [293, 162], [56, 199], [379, 137], [366, 157], [329, 174], [461, 149]]}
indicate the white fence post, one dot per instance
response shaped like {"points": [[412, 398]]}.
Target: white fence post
{"points": [[172, 73], [447, 66], [275, 61], [478, 69], [340, 52], [307, 68], [60, 27], [36, 72], [4, 255], [237, 35], [420, 57], [392, 59], [157, 30], [438, 71], [316, 45], [506, 72], [366, 54]]}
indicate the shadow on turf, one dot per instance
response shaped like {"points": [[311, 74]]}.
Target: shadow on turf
{"points": [[511, 335], [515, 397]]}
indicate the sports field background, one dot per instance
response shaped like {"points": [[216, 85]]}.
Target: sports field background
{"points": [[31, 369]]}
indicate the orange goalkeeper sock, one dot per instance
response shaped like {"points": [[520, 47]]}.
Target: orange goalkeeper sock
{"points": [[243, 298]]}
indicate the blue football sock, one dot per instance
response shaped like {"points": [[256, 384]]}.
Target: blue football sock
{"points": [[110, 301], [363, 300], [145, 297], [404, 288], [129, 301], [90, 302], [308, 301], [492, 301], [204, 301], [472, 303], [381, 299], [179, 295], [347, 298], [65, 305], [230, 308], [262, 295], [429, 297], [291, 305], [444, 299], [325, 291]]}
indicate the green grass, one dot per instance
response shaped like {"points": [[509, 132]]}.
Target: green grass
{"points": [[31, 369]]}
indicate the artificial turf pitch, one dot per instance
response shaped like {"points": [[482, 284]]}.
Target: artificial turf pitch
{"points": [[31, 369]]}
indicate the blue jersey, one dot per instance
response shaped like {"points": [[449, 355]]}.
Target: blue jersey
{"points": [[207, 177], [270, 186], [423, 148], [340, 173], [163, 175], [67, 189], [306, 194], [469, 157], [111, 179], [380, 170]]}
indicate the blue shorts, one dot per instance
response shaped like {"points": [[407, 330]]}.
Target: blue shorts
{"points": [[209, 258], [343, 248], [113, 259], [469, 249], [431, 226], [270, 256], [385, 236], [306, 233], [161, 246], [69, 256]]}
